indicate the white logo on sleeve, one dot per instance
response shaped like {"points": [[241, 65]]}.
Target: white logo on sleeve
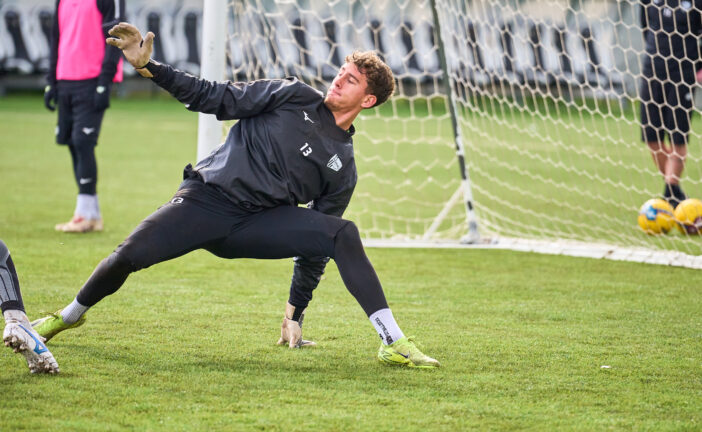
{"points": [[334, 163], [307, 118], [85, 180], [88, 131]]}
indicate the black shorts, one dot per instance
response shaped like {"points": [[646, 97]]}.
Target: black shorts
{"points": [[666, 107], [78, 120], [199, 216]]}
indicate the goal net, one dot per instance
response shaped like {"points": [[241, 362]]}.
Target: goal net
{"points": [[545, 102]]}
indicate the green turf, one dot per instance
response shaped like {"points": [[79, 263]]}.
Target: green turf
{"points": [[189, 344]]}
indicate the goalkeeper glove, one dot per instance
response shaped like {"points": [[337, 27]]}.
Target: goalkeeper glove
{"points": [[291, 331], [136, 50], [291, 335], [50, 96]]}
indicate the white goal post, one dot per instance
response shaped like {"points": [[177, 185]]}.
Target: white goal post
{"points": [[515, 119], [214, 25]]}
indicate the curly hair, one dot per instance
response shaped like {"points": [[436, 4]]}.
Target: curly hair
{"points": [[381, 82]]}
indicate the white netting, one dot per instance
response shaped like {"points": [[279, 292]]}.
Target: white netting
{"points": [[546, 93]]}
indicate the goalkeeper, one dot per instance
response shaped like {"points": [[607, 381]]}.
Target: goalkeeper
{"points": [[671, 30], [291, 145]]}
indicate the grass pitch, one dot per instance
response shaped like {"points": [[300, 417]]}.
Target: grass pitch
{"points": [[526, 341]]}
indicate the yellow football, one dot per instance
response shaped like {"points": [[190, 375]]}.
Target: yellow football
{"points": [[656, 216], [688, 215]]}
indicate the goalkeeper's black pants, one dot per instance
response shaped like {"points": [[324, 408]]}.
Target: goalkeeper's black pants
{"points": [[200, 217]]}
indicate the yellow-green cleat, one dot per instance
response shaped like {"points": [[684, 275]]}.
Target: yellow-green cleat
{"points": [[53, 324], [404, 352]]}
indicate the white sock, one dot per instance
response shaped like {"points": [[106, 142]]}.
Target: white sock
{"points": [[96, 207], [15, 315], [385, 325], [87, 206], [73, 312]]}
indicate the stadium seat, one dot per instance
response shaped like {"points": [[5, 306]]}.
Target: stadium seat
{"points": [[565, 61], [13, 35], [187, 31], [3, 51], [599, 71], [286, 31], [512, 72], [320, 46], [39, 25], [472, 64], [425, 49], [157, 17]]}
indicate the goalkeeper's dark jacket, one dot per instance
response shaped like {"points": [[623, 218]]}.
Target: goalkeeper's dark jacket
{"points": [[286, 148], [671, 30]]}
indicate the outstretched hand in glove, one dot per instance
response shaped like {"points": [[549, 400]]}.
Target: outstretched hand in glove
{"points": [[137, 50]]}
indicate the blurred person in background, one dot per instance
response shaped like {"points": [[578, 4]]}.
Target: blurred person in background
{"points": [[81, 72], [671, 30]]}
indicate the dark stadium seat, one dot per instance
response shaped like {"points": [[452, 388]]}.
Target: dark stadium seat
{"points": [[299, 33], [596, 75], [539, 74], [40, 20], [157, 17], [330, 33], [564, 60], [187, 31], [14, 38], [153, 24]]}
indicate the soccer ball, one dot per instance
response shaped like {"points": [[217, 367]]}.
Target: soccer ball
{"points": [[688, 215], [656, 216]]}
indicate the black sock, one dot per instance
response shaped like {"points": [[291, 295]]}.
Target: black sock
{"points": [[356, 270], [674, 194]]}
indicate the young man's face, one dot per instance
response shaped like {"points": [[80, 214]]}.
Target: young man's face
{"points": [[348, 90]]}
